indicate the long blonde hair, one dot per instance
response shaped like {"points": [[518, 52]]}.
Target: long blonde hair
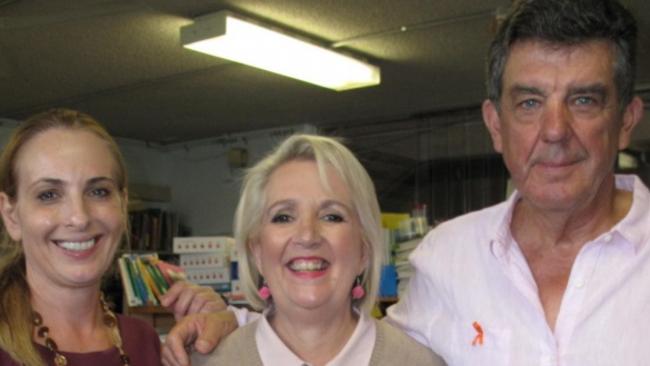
{"points": [[16, 325]]}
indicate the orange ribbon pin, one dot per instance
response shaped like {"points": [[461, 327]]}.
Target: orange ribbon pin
{"points": [[478, 339]]}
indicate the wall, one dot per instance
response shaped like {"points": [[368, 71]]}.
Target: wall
{"points": [[205, 189], [6, 125]]}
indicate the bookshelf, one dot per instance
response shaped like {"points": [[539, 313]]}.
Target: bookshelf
{"points": [[144, 279], [152, 230], [403, 233], [152, 227], [383, 302], [206, 261]]}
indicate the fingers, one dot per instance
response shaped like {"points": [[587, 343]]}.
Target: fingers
{"points": [[186, 298], [172, 355], [216, 326], [201, 322], [169, 297], [180, 300], [201, 300], [181, 336], [203, 331], [168, 358]]}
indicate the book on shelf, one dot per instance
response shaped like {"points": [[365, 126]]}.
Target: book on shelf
{"points": [[146, 278], [153, 229], [236, 292], [408, 245], [403, 232]]}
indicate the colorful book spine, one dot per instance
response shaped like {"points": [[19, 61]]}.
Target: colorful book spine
{"points": [[140, 287], [146, 278], [127, 282], [150, 287], [171, 272]]}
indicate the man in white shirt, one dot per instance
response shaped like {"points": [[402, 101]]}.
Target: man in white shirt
{"points": [[560, 273]]}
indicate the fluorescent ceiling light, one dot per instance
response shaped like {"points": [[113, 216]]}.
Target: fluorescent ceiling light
{"points": [[224, 35]]}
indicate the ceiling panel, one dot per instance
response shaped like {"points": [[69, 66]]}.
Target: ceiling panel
{"points": [[122, 62]]}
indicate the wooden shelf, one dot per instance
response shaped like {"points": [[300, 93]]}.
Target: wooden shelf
{"points": [[392, 299], [148, 310], [384, 302], [159, 317]]}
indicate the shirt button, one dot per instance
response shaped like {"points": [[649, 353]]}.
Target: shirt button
{"points": [[579, 284], [607, 238]]}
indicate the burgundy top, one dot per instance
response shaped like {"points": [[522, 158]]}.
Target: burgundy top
{"points": [[139, 339]]}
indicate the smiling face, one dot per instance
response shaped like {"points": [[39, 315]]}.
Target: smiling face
{"points": [[68, 212], [559, 125], [309, 246]]}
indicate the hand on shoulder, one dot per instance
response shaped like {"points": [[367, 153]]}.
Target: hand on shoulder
{"points": [[200, 331]]}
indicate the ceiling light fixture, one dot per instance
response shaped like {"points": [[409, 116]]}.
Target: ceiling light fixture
{"points": [[228, 36]]}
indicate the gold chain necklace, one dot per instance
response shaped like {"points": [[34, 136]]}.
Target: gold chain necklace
{"points": [[109, 319]]}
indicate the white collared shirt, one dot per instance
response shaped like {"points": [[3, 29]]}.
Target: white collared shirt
{"points": [[474, 301], [357, 351]]}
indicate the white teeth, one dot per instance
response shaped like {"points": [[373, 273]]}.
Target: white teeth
{"points": [[308, 265], [77, 245]]}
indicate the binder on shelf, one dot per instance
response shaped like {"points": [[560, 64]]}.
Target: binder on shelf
{"points": [[145, 278], [140, 287], [128, 284]]}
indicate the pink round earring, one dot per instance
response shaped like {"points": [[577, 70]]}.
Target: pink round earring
{"points": [[264, 292], [357, 291]]}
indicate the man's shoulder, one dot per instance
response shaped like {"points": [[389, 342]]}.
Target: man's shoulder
{"points": [[473, 224], [459, 239]]}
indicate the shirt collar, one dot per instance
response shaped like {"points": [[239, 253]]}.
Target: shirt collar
{"points": [[632, 228], [357, 351], [502, 238]]}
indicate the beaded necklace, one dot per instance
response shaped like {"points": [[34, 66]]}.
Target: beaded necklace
{"points": [[109, 319]]}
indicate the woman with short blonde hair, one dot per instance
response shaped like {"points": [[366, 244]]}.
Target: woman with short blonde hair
{"points": [[309, 236]]}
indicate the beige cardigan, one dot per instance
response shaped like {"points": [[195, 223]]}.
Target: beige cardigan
{"points": [[392, 347]]}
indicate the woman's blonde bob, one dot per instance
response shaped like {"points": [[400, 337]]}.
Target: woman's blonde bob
{"points": [[325, 151]]}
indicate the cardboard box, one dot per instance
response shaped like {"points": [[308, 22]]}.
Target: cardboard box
{"points": [[204, 260], [206, 276], [201, 244]]}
